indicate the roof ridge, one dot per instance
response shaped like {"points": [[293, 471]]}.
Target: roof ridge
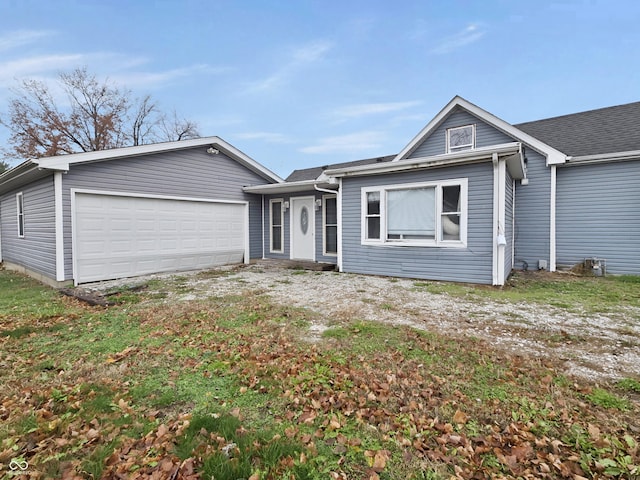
{"points": [[566, 115]]}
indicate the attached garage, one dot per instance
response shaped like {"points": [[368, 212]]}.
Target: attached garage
{"points": [[125, 235]]}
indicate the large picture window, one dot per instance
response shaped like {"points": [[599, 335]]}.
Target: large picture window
{"points": [[277, 227], [429, 214], [330, 223], [20, 209]]}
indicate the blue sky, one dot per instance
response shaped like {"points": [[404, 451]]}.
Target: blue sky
{"points": [[296, 83]]}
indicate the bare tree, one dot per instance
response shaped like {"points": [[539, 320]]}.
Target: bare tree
{"points": [[175, 128], [94, 116], [144, 121]]}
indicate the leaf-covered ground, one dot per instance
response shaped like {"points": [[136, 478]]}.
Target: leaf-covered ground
{"points": [[227, 388]]}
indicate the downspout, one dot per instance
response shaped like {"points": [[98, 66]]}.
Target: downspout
{"points": [[552, 221], [513, 224], [263, 237], [339, 215], [325, 190]]}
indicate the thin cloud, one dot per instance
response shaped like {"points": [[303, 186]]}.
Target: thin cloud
{"points": [[471, 34], [366, 109], [268, 137], [350, 143], [154, 79], [298, 59], [11, 40], [31, 66]]}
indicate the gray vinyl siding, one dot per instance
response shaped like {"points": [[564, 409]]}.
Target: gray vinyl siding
{"points": [[37, 250], [532, 214], [184, 173], [598, 215], [508, 227], [435, 144], [286, 253], [471, 264]]}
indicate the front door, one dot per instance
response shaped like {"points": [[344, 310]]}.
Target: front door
{"points": [[302, 228]]}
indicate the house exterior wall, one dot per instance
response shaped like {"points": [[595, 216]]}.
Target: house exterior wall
{"points": [[183, 173], [37, 250], [435, 144], [532, 214], [598, 215], [470, 264], [286, 253]]}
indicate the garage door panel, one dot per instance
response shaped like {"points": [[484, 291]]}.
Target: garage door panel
{"points": [[116, 236]]}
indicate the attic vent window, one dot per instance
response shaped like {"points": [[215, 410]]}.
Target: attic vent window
{"points": [[461, 138]]}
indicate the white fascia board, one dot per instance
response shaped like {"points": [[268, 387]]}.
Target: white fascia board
{"points": [[63, 162], [552, 155], [604, 158], [246, 160], [432, 125], [286, 187], [467, 156]]}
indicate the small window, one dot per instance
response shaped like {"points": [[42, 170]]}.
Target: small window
{"points": [[330, 220], [277, 230], [372, 216], [461, 138], [20, 208], [451, 213]]}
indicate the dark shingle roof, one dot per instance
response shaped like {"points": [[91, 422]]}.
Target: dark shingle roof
{"points": [[314, 172], [605, 130]]}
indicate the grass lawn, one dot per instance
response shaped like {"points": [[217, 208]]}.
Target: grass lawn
{"points": [[227, 389]]}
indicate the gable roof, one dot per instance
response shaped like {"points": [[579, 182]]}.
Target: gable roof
{"points": [[552, 155], [31, 170], [62, 162], [594, 132]]}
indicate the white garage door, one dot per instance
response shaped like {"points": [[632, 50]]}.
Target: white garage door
{"points": [[121, 236]]}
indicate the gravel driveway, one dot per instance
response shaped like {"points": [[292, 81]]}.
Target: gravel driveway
{"points": [[600, 347]]}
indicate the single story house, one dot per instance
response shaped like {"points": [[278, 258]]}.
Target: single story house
{"points": [[468, 199]]}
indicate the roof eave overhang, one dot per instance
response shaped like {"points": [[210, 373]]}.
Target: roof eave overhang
{"points": [[604, 158], [21, 175], [510, 151], [64, 162], [289, 187], [553, 156]]}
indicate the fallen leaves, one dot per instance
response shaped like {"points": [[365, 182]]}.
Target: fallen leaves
{"points": [[362, 414]]}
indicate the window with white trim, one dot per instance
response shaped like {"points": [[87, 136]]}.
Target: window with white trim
{"points": [[421, 214], [276, 225], [461, 138], [20, 210], [372, 215], [330, 224]]}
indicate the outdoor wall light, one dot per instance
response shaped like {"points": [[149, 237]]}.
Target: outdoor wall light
{"points": [[286, 205], [318, 204], [213, 151]]}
